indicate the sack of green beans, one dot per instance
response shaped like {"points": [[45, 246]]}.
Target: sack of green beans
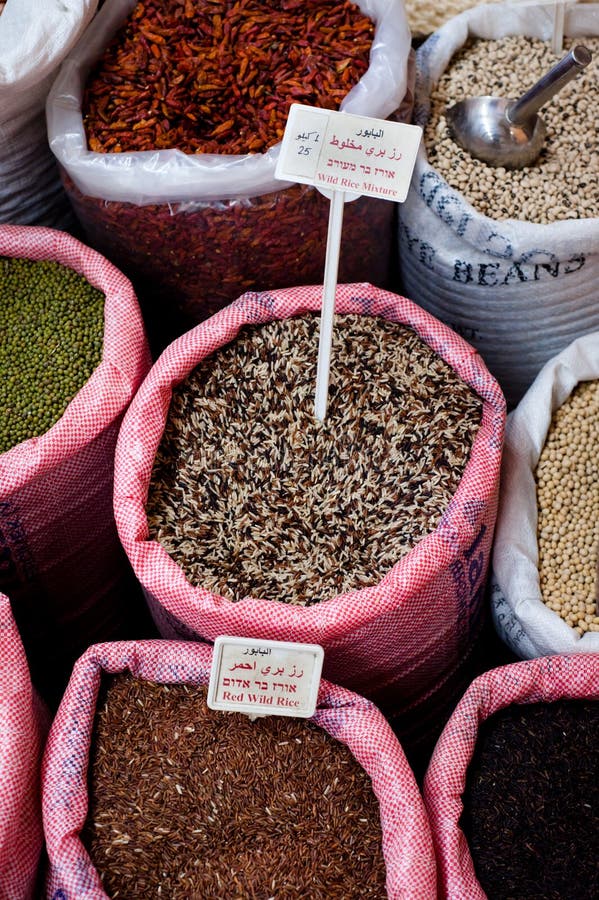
{"points": [[23, 727], [509, 259], [166, 120], [369, 535], [148, 792], [513, 782], [72, 355], [35, 37], [545, 557]]}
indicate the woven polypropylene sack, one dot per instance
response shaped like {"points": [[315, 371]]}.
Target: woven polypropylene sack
{"points": [[354, 721], [195, 230], [534, 681], [23, 726], [521, 618], [518, 291], [398, 641], [35, 37], [61, 560]]}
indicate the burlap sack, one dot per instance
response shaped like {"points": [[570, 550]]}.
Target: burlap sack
{"points": [[23, 726], [544, 679], [399, 642], [518, 291], [60, 558], [354, 721]]}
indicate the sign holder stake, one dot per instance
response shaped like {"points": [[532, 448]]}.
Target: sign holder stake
{"points": [[331, 268]]}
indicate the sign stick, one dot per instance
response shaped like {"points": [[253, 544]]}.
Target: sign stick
{"points": [[345, 157], [557, 42], [331, 267]]}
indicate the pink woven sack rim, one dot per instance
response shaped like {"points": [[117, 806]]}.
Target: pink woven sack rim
{"points": [[125, 358], [23, 724], [144, 423], [407, 843], [532, 681]]}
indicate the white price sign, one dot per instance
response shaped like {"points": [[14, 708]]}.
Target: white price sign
{"points": [[336, 151], [261, 677]]}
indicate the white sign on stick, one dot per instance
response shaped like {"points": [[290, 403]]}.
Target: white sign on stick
{"points": [[354, 154], [345, 157], [261, 677]]}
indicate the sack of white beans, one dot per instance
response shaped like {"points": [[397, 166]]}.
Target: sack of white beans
{"points": [[61, 561], [369, 535], [513, 780], [35, 37], [221, 807], [23, 727], [510, 260], [544, 591]]}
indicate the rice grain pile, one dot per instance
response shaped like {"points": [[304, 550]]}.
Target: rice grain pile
{"points": [[531, 802], [252, 496], [567, 478], [187, 802], [563, 183]]}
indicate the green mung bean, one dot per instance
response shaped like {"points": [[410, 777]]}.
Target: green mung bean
{"points": [[51, 328]]}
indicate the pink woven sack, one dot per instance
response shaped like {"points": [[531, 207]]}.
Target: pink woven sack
{"points": [[23, 726], [543, 679], [60, 557], [398, 642], [354, 721]]}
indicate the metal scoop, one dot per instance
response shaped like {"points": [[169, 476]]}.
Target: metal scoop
{"points": [[508, 132]]}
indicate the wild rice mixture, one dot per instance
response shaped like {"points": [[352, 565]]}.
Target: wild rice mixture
{"points": [[252, 496], [187, 802]]}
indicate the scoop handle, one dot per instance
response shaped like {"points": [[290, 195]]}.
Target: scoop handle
{"points": [[524, 109]]}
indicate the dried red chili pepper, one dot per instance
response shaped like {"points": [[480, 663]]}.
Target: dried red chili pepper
{"points": [[173, 60], [218, 76]]}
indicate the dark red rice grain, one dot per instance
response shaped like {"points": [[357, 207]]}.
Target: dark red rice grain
{"points": [[188, 803]]}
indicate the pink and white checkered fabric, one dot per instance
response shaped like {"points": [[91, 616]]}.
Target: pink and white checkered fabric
{"points": [[407, 844], [394, 641], [23, 725], [542, 679], [61, 559]]}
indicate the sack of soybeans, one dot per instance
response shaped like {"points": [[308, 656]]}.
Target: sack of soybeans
{"points": [[167, 120], [513, 783], [509, 259], [35, 37], [149, 792], [72, 355], [368, 533], [545, 556], [24, 724]]}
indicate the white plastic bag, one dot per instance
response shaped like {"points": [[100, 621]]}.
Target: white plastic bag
{"points": [[170, 176], [518, 291], [35, 36], [194, 231], [523, 621]]}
